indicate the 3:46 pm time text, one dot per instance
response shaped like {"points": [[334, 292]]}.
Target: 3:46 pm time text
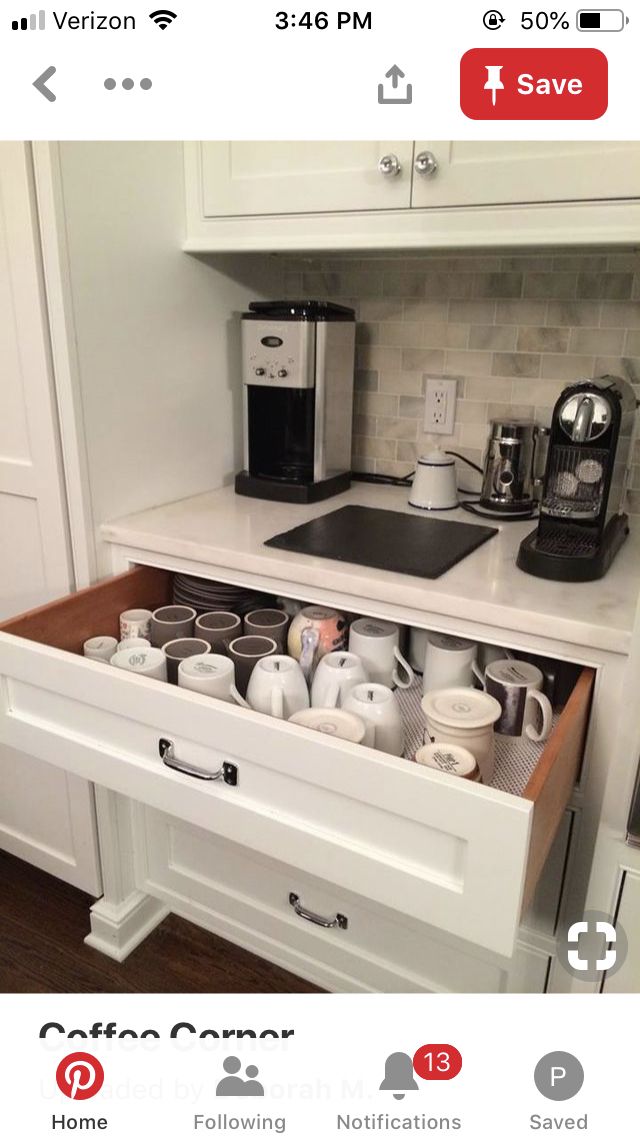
{"points": [[354, 21]]}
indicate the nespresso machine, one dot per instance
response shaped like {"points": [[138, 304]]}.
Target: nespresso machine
{"points": [[298, 360], [582, 520]]}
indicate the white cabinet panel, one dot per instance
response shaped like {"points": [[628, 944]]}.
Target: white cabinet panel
{"points": [[251, 178], [627, 979], [246, 898], [46, 818], [495, 173], [46, 815], [29, 460]]}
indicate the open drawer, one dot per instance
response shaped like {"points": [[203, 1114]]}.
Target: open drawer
{"points": [[459, 856]]}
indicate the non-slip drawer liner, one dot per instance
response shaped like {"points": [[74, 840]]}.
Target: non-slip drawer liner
{"points": [[516, 758]]}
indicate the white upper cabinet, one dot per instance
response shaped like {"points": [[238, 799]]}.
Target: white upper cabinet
{"points": [[312, 196], [496, 173], [253, 178]]}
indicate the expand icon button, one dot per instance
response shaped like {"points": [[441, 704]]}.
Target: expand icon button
{"points": [[534, 83]]}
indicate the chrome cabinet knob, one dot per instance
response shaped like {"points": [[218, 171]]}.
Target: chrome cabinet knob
{"points": [[259, 370], [426, 164], [282, 374], [389, 166]]}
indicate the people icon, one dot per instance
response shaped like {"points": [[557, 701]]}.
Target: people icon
{"points": [[234, 1086]]}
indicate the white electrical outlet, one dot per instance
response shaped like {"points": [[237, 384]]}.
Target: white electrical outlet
{"points": [[440, 406]]}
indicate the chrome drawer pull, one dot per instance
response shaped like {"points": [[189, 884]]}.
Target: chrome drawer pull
{"points": [[227, 772], [340, 921]]}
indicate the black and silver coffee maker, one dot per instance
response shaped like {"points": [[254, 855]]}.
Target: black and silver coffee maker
{"points": [[298, 360], [582, 520]]}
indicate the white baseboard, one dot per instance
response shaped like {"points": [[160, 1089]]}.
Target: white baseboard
{"points": [[117, 929]]}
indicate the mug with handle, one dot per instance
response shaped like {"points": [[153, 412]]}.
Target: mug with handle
{"points": [[449, 662], [517, 686], [335, 676], [246, 651], [376, 642], [278, 687], [377, 707], [210, 674]]}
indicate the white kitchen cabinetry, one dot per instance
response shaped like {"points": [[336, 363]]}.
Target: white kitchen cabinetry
{"points": [[46, 814], [285, 196], [453, 858], [509, 173], [627, 979], [250, 178], [232, 892]]}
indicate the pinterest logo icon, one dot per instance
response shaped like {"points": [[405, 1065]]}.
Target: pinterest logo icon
{"points": [[80, 1076]]}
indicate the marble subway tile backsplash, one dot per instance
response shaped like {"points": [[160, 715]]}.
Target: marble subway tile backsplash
{"points": [[512, 328]]}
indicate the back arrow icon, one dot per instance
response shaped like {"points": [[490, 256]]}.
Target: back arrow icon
{"points": [[42, 80]]}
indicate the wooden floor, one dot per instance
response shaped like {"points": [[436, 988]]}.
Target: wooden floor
{"points": [[42, 926]]}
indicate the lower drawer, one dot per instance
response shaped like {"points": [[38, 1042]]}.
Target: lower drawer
{"points": [[460, 857], [247, 899]]}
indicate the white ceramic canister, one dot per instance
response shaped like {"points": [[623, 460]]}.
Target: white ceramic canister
{"points": [[464, 717], [447, 758], [434, 482]]}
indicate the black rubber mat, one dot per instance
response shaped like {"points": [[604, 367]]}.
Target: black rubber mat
{"points": [[380, 538]]}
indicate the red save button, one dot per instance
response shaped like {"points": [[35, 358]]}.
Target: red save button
{"points": [[534, 83]]}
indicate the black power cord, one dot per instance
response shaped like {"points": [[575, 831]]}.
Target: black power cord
{"points": [[487, 514]]}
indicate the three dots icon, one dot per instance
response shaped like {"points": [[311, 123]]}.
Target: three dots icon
{"points": [[128, 84]]}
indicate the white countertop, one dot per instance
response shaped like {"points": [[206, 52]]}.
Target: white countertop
{"points": [[226, 531]]}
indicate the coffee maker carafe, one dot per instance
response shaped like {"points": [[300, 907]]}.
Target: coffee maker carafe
{"points": [[298, 360], [582, 521]]}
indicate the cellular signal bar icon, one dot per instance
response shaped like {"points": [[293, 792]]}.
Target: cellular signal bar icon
{"points": [[35, 22]]}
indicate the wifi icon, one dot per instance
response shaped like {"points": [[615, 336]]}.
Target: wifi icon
{"points": [[163, 17]]}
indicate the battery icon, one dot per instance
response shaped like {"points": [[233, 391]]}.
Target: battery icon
{"points": [[601, 20]]}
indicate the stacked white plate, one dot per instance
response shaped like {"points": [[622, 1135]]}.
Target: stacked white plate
{"points": [[209, 595]]}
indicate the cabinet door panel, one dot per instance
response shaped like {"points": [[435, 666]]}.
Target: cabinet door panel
{"points": [[47, 819], [251, 178], [627, 979], [493, 173]]}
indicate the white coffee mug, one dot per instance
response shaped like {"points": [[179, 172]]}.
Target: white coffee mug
{"points": [[135, 623], [213, 675], [147, 661], [517, 686], [377, 707], [100, 648], [278, 687], [336, 674], [376, 642], [449, 661]]}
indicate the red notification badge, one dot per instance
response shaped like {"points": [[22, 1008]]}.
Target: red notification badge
{"points": [[437, 1062], [534, 83]]}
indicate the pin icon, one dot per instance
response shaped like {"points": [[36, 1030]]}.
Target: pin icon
{"points": [[80, 1076]]}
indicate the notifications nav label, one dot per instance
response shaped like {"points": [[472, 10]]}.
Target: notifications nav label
{"points": [[534, 83]]}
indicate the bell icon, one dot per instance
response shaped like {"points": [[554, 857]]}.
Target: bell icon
{"points": [[398, 1075]]}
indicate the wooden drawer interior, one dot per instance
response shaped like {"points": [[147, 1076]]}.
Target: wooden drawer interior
{"points": [[67, 623]]}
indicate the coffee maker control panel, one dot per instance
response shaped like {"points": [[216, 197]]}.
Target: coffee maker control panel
{"points": [[278, 354]]}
